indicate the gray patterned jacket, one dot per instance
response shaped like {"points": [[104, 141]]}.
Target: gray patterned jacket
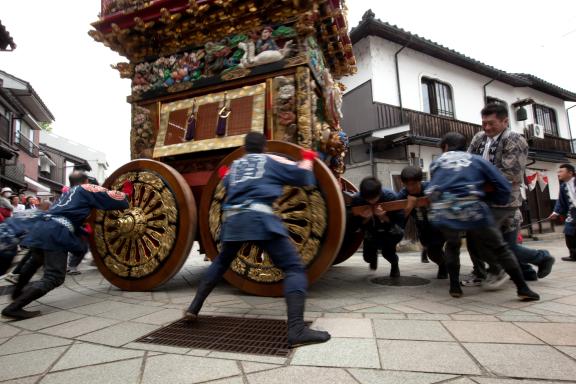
{"points": [[510, 159]]}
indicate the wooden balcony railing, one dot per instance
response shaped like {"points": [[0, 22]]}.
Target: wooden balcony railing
{"points": [[426, 125], [423, 124], [26, 144], [550, 143]]}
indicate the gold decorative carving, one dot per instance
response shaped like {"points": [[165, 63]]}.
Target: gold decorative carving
{"points": [[303, 211], [304, 107], [142, 133], [258, 113], [135, 241]]}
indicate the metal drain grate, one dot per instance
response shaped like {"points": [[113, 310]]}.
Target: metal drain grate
{"points": [[402, 281], [227, 334], [6, 290]]}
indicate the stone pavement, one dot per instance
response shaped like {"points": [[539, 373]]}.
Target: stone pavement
{"points": [[380, 334]]}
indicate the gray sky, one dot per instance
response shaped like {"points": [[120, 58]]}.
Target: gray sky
{"points": [[72, 73]]}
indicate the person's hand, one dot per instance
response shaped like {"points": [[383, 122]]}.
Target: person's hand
{"points": [[553, 216], [410, 205], [381, 214]]}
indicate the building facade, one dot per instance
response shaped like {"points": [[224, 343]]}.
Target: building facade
{"points": [[409, 91], [21, 113], [76, 154]]}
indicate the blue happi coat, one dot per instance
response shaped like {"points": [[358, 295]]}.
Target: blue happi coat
{"points": [[59, 228], [566, 207], [252, 185], [457, 191]]}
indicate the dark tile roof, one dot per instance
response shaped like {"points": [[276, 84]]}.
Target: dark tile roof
{"points": [[370, 26]]}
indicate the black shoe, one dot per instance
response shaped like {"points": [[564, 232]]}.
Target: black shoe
{"points": [[19, 314], [545, 267], [15, 311], [527, 294], [569, 258], [395, 270], [456, 291], [298, 333], [442, 272]]}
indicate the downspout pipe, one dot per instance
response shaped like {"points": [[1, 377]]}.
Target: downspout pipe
{"points": [[484, 90], [398, 79], [570, 128]]}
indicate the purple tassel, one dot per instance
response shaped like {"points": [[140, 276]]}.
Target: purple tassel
{"points": [[221, 127], [191, 128]]}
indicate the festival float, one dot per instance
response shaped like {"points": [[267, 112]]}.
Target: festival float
{"points": [[204, 73]]}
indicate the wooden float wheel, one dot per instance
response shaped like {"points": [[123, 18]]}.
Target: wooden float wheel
{"points": [[314, 216], [352, 237], [142, 247]]}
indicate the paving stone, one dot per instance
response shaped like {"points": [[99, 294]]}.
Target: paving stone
{"points": [[349, 315], [111, 373], [157, 348], [231, 380], [411, 330], [345, 327], [386, 316], [246, 357], [552, 333], [129, 312], [18, 365], [425, 356], [97, 308], [489, 380], [161, 317], [198, 352], [473, 317], [250, 367], [432, 307], [548, 307], [31, 342], [177, 369], [529, 361], [119, 334], [525, 318], [83, 354], [370, 376], [570, 300], [8, 330], [404, 308], [428, 316], [380, 309], [570, 351], [80, 327], [78, 300], [347, 352], [561, 319], [26, 380], [489, 332], [48, 320], [295, 374]]}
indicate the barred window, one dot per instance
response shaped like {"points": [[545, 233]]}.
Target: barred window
{"points": [[437, 98], [546, 116]]}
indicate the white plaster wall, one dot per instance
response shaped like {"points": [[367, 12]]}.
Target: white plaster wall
{"points": [[356, 172], [362, 54], [385, 169], [426, 154], [467, 86]]}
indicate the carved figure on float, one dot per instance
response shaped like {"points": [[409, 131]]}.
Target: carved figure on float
{"points": [[264, 51]]}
